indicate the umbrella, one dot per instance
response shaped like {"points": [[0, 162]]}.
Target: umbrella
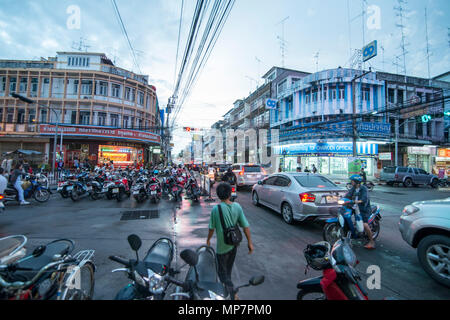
{"points": [[21, 151]]}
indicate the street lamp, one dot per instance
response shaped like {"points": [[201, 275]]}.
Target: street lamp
{"points": [[29, 101]]}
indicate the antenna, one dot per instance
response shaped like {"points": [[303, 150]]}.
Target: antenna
{"points": [[259, 68], [317, 61], [428, 44], [382, 48], [401, 14], [80, 46], [283, 42], [251, 80]]}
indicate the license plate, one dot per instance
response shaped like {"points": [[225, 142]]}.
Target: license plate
{"points": [[69, 188], [105, 190], [153, 192], [135, 192], [233, 194], [116, 190], [89, 188], [332, 199]]}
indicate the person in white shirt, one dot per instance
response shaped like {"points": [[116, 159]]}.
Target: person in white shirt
{"points": [[3, 181]]}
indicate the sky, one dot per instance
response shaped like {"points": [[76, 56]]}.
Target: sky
{"points": [[331, 28]]}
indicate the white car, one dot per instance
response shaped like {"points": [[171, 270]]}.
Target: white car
{"points": [[248, 174]]}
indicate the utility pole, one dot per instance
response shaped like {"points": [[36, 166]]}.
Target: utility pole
{"points": [[354, 110]]}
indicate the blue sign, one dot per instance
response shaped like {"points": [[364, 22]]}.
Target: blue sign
{"points": [[271, 103], [374, 129], [369, 51], [328, 149]]}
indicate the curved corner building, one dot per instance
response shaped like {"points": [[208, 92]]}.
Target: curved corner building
{"points": [[103, 112]]}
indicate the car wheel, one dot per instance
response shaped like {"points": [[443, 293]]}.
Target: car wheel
{"points": [[407, 183], [433, 253], [255, 198], [288, 216], [434, 183]]}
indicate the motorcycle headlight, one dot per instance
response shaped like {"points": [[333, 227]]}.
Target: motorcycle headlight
{"points": [[155, 282], [214, 296], [139, 280]]}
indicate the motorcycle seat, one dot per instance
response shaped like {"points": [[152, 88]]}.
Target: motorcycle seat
{"points": [[37, 263], [206, 268], [160, 253]]}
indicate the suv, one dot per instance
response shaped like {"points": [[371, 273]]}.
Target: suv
{"points": [[248, 174], [408, 176], [425, 225]]}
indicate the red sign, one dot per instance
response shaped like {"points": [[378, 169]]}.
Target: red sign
{"points": [[47, 129]]}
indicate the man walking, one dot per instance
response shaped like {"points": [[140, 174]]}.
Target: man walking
{"points": [[232, 215]]}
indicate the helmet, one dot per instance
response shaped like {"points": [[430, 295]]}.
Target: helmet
{"points": [[356, 177], [156, 172], [318, 255]]}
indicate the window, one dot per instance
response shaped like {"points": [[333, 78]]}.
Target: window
{"points": [[23, 85], [10, 115], [85, 118], [31, 116], [103, 88], [366, 94], [43, 118], [2, 84], [86, 87], [325, 92], [314, 96], [341, 93], [313, 181], [421, 171], [75, 86], [282, 181], [114, 120], [21, 116], [141, 98], [252, 169], [115, 90], [73, 117], [34, 86], [307, 98], [12, 85], [101, 120], [125, 121], [270, 181]]}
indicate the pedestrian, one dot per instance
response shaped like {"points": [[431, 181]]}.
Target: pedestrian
{"points": [[363, 175], [232, 216], [314, 169], [3, 181], [16, 180], [306, 169], [76, 164], [299, 169]]}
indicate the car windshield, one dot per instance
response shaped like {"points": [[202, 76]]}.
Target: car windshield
{"points": [[252, 169], [314, 181]]}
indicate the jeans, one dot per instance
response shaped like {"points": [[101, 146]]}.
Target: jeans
{"points": [[18, 186], [225, 267]]}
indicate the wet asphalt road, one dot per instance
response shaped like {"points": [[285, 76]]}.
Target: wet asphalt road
{"points": [[278, 247]]}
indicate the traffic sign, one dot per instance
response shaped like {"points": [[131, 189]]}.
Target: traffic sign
{"points": [[271, 103], [369, 51]]}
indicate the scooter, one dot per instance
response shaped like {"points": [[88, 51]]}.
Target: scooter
{"points": [[139, 189], [147, 276], [192, 190], [339, 280], [202, 281], [35, 190], [154, 189], [350, 220], [368, 184]]}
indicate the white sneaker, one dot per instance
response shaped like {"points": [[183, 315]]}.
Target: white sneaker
{"points": [[24, 202]]}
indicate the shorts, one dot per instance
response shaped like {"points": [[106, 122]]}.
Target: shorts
{"points": [[365, 216]]}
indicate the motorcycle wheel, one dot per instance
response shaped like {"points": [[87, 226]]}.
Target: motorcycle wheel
{"points": [[42, 195], [119, 195], [87, 285], [370, 186], [74, 194], [64, 194], [332, 232], [109, 195], [375, 228], [95, 195], [310, 295]]}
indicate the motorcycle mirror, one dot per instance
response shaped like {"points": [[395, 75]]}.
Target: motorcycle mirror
{"points": [[189, 256], [135, 242], [256, 280], [39, 251]]}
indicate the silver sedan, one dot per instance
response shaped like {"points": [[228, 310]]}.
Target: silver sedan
{"points": [[298, 196]]}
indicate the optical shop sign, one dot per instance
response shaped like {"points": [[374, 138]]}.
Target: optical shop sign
{"points": [[100, 132], [328, 149]]}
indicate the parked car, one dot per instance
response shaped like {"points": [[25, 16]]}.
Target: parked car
{"points": [[248, 174], [408, 176], [425, 225], [299, 196]]}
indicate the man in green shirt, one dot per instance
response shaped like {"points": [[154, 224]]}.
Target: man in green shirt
{"points": [[232, 215]]}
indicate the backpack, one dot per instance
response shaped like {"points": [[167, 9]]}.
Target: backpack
{"points": [[232, 235]]}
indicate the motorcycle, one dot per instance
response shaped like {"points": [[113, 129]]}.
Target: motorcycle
{"points": [[50, 272], [139, 189], [147, 276], [154, 189], [202, 281], [339, 280], [81, 188], [349, 219], [175, 189], [2, 206], [192, 190], [65, 186], [34, 189]]}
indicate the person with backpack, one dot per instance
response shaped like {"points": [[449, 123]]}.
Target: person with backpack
{"points": [[314, 169], [225, 219]]}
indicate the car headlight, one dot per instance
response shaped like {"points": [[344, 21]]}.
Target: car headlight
{"points": [[156, 282], [410, 209]]}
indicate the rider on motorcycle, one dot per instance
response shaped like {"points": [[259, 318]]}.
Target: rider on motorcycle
{"points": [[229, 177], [363, 202]]}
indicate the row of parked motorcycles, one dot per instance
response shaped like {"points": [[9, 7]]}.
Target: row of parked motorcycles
{"points": [[53, 272], [141, 184]]}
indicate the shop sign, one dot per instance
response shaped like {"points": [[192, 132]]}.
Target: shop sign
{"points": [[420, 150], [327, 149], [386, 156], [444, 153], [46, 129]]}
